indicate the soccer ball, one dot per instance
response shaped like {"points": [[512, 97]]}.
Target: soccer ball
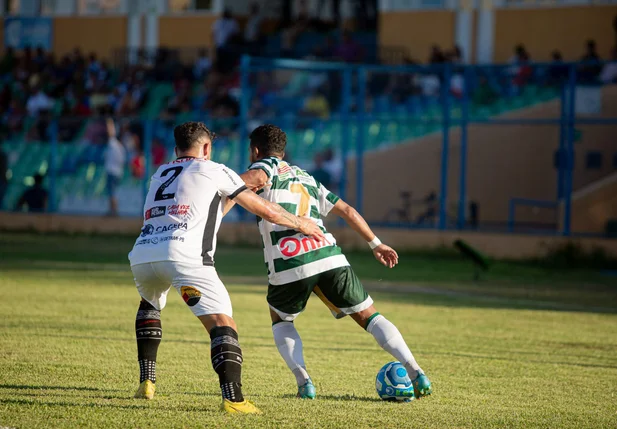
{"points": [[393, 383]]}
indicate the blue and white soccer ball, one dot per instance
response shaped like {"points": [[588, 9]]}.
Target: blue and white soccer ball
{"points": [[393, 383]]}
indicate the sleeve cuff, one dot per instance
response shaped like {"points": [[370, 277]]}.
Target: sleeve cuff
{"points": [[238, 191]]}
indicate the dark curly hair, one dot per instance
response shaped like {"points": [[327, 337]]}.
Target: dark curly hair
{"points": [[269, 139], [189, 135]]}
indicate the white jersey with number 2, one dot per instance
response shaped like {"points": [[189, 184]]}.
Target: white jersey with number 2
{"points": [[183, 212]]}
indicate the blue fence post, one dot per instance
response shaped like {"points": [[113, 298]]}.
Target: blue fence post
{"points": [[462, 193], [345, 128], [563, 127], [362, 79], [443, 192], [148, 136], [571, 118], [245, 102], [511, 214], [52, 167]]}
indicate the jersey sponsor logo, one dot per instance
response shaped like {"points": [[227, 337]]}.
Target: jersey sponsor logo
{"points": [[230, 176], [156, 240], [157, 211], [291, 247], [190, 295], [179, 209], [147, 230], [171, 227]]}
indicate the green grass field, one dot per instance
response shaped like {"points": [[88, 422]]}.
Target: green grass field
{"points": [[523, 347]]}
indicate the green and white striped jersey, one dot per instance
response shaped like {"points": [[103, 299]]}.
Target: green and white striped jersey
{"points": [[290, 255]]}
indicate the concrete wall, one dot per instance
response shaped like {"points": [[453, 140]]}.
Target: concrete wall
{"points": [[594, 205], [186, 31], [417, 31], [91, 34], [543, 30], [493, 245], [503, 162]]}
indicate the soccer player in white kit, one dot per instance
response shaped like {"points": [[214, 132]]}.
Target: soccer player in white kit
{"points": [[182, 214]]}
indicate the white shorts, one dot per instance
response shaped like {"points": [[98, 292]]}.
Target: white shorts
{"points": [[199, 286]]}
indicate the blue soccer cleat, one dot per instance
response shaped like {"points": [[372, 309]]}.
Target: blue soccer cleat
{"points": [[307, 390], [422, 386]]}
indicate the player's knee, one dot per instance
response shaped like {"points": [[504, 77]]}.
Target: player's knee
{"points": [[364, 317], [145, 305], [212, 321]]}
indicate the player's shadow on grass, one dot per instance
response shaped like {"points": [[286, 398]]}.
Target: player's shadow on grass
{"points": [[351, 398]]}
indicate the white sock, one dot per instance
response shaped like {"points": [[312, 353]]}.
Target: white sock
{"points": [[391, 340], [289, 344]]}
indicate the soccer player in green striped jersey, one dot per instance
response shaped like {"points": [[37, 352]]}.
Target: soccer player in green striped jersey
{"points": [[298, 265]]}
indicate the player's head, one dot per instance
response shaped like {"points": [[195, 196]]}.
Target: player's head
{"points": [[267, 140], [193, 139]]}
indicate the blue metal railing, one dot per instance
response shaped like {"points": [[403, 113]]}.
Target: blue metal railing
{"points": [[352, 124]]}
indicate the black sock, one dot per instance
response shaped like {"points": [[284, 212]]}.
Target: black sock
{"points": [[149, 332], [226, 358], [147, 370]]}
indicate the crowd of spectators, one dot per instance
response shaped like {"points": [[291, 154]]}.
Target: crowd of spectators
{"points": [[35, 85]]}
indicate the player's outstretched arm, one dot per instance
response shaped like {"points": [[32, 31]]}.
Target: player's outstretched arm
{"points": [[255, 179], [276, 214], [384, 254]]}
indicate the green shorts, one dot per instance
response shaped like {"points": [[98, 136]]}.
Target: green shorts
{"points": [[339, 288]]}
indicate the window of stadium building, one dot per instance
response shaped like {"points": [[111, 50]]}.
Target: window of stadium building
{"points": [[93, 7], [180, 6]]}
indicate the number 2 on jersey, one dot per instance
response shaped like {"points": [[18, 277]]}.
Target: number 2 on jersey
{"points": [[160, 195], [305, 198]]}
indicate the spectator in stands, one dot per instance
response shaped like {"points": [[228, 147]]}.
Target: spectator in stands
{"points": [[436, 56], [327, 50], [455, 56], [202, 64], [333, 165], [224, 29], [301, 24], [521, 70], [484, 94], [4, 167], [591, 68], [35, 198], [348, 50], [557, 71], [159, 154], [316, 105], [320, 173], [253, 32], [457, 83], [115, 158], [609, 71], [38, 101], [9, 61]]}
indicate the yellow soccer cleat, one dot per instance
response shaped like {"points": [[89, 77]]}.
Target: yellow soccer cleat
{"points": [[244, 407], [146, 390]]}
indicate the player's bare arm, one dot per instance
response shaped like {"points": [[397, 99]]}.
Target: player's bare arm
{"points": [[276, 214], [255, 179], [383, 253]]}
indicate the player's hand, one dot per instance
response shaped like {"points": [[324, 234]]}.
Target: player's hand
{"points": [[386, 255], [310, 228]]}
